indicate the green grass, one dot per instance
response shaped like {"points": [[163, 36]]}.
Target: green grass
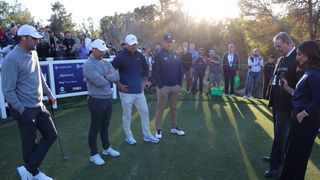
{"points": [[225, 139]]}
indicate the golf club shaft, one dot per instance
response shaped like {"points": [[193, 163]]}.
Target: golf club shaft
{"points": [[58, 135]]}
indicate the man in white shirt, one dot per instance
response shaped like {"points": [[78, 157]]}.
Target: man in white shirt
{"points": [[255, 63]]}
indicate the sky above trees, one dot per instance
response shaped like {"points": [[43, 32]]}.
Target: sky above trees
{"points": [[97, 9]]}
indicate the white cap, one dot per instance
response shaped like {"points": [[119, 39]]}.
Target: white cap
{"points": [[99, 44], [27, 30], [131, 39]]}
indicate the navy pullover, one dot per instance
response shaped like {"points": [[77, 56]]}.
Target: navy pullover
{"points": [[132, 68], [167, 69]]}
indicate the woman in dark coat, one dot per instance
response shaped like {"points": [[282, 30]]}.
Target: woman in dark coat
{"points": [[306, 114]]}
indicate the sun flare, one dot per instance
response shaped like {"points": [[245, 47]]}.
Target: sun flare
{"points": [[214, 9]]}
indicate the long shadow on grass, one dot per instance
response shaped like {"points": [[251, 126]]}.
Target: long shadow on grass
{"points": [[251, 137], [267, 115], [315, 157], [316, 148], [211, 133]]}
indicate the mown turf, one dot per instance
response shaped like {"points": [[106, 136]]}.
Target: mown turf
{"points": [[225, 139]]}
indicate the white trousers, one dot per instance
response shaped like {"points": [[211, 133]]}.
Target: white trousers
{"points": [[139, 100]]}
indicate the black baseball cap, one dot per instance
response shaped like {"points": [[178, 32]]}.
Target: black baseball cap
{"points": [[168, 37]]}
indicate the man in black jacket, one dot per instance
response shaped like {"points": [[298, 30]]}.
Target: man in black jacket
{"points": [[186, 60], [280, 100], [267, 75], [230, 68]]}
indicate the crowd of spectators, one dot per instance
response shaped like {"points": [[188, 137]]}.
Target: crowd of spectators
{"points": [[62, 46], [72, 45]]}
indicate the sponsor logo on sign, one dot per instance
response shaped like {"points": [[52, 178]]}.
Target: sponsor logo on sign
{"points": [[63, 67], [76, 88], [66, 75]]}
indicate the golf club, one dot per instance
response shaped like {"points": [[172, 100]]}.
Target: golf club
{"points": [[64, 156]]}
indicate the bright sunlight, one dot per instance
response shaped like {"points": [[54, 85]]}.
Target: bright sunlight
{"points": [[215, 9]]}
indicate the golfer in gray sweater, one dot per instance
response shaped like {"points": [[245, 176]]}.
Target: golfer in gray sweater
{"points": [[23, 87], [99, 75]]}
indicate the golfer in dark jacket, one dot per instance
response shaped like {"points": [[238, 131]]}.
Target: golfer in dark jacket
{"points": [[167, 73]]}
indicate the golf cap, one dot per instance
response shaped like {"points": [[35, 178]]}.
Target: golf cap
{"points": [[99, 44], [131, 39], [27, 30], [168, 37]]}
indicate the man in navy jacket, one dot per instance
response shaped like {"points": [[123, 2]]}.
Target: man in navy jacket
{"points": [[167, 73], [133, 70]]}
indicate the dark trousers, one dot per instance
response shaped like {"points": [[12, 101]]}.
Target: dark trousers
{"points": [[187, 74], [32, 119], [229, 79], [282, 126], [266, 88], [300, 141], [100, 112], [197, 77]]}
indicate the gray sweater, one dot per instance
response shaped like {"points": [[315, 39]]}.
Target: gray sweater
{"points": [[23, 84], [99, 74]]}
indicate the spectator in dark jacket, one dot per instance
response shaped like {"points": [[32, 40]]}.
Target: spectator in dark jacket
{"points": [[230, 69], [69, 46], [267, 75], [43, 49], [186, 60], [199, 66]]}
